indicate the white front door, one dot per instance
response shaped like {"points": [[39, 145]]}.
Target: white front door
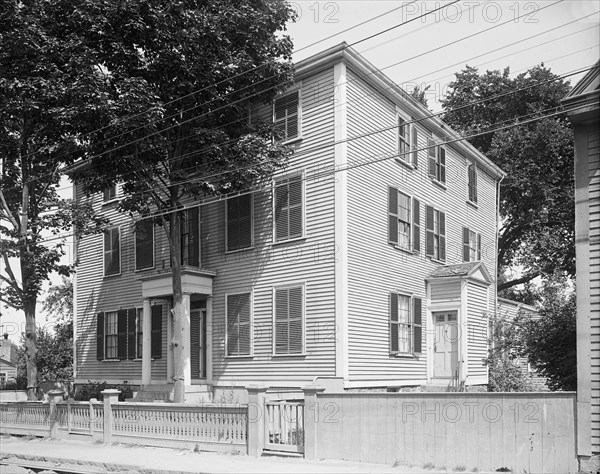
{"points": [[445, 347]]}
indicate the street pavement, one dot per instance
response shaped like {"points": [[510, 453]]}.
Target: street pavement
{"points": [[93, 457]]}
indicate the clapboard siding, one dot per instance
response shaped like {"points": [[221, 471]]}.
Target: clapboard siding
{"points": [[309, 261], [375, 268], [477, 329], [97, 293], [594, 226]]}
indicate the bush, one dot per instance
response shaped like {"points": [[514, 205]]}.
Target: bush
{"points": [[94, 390]]}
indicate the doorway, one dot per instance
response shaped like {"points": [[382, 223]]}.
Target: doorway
{"points": [[445, 346]]}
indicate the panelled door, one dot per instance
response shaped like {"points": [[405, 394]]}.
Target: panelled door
{"points": [[445, 347], [198, 343]]}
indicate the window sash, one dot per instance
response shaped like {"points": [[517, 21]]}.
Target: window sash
{"points": [[112, 250], [109, 193], [404, 133], [239, 340], [289, 219], [405, 324], [472, 183], [144, 244], [190, 237], [111, 335], [286, 112]]}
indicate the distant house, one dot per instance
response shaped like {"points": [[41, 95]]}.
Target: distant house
{"points": [[8, 360], [369, 263], [584, 106]]}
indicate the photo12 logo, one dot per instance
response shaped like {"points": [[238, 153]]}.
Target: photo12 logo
{"points": [[317, 12], [471, 12]]}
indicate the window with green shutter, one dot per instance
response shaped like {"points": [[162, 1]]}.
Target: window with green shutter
{"points": [[289, 320], [240, 226], [289, 218], [238, 338]]}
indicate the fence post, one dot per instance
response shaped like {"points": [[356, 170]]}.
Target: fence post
{"points": [[256, 424], [311, 420], [110, 396], [54, 396]]}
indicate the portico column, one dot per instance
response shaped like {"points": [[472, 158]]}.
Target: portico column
{"points": [[187, 367], [209, 340], [146, 343]]}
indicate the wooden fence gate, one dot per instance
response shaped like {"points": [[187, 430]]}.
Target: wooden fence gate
{"points": [[284, 426]]}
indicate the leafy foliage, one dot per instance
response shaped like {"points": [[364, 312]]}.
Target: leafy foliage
{"points": [[536, 197], [419, 94], [59, 301], [91, 390]]}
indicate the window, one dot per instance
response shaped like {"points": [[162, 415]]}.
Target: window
{"points": [[289, 320], [119, 334], [112, 335], [112, 251], [286, 115], [288, 208], [472, 180], [110, 193], [404, 214], [144, 244], [407, 142], [238, 325], [239, 222], [406, 331], [437, 161], [190, 238], [139, 333], [471, 245], [435, 242]]}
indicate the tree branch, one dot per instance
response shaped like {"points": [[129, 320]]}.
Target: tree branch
{"points": [[9, 214], [524, 279]]}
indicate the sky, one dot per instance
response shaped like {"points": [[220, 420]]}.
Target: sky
{"points": [[428, 50]]}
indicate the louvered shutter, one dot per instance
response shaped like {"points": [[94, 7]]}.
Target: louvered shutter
{"points": [[415, 145], [131, 334], [122, 334], [417, 326], [100, 336], [478, 246], [442, 236], [156, 333], [112, 260], [416, 225], [429, 231], [195, 344], [281, 211], [393, 215], [466, 247], [281, 321], [442, 163], [194, 237], [473, 183], [238, 324], [432, 156], [295, 204], [296, 335], [239, 222], [289, 334], [393, 322]]}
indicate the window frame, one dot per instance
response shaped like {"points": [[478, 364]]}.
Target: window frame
{"points": [[475, 252], [113, 194], [297, 89], [252, 224], [438, 236], [411, 325], [185, 248], [288, 286], [135, 245], [120, 234], [440, 154], [472, 186], [286, 177], [410, 156], [250, 294], [413, 223], [114, 336]]}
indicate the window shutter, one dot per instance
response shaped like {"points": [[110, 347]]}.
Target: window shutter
{"points": [[393, 322], [281, 320], [432, 156], [442, 236], [473, 183], [239, 222], [478, 246], [416, 225], [415, 145], [417, 326], [100, 336], [281, 212], [122, 334], [295, 320], [466, 248], [429, 230], [295, 203], [131, 336], [238, 324], [393, 215], [442, 159], [156, 334]]}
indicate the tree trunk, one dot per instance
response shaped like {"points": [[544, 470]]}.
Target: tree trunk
{"points": [[31, 350], [179, 318]]}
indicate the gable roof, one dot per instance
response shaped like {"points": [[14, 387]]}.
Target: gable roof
{"points": [[6, 362], [373, 76], [471, 270], [585, 97]]}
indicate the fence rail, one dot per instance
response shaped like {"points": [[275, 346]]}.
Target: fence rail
{"points": [[25, 418], [284, 426], [80, 417]]}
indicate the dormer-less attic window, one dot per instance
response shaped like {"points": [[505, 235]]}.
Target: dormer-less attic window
{"points": [[286, 115]]}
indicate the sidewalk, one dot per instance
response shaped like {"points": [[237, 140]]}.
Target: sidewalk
{"points": [[95, 457]]}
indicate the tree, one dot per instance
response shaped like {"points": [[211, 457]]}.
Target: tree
{"points": [[536, 197], [183, 75], [419, 94], [47, 103], [59, 301], [550, 343]]}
